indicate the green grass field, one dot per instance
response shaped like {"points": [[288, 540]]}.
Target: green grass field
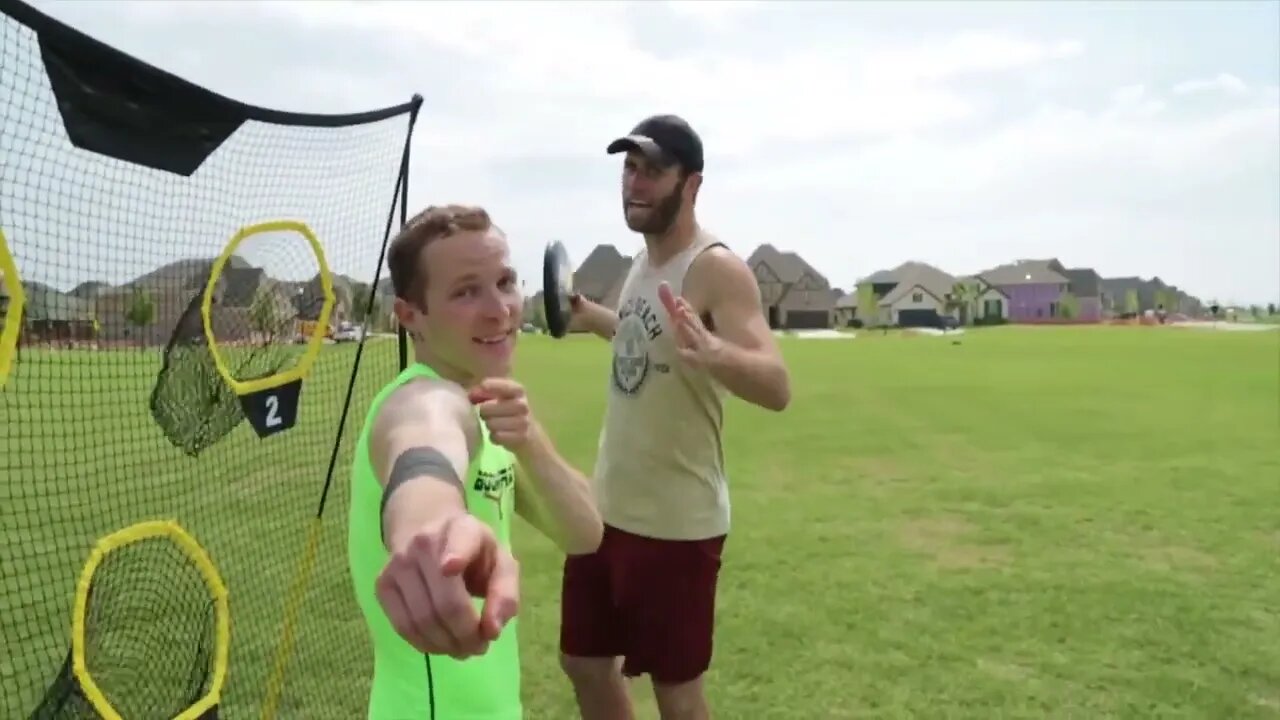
{"points": [[1037, 522]]}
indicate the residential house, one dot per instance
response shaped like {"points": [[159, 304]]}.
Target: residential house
{"points": [[1115, 293], [1152, 295], [845, 310], [600, 276], [308, 298], [171, 290], [1035, 288], [51, 316], [981, 303], [237, 314], [794, 294], [382, 317], [533, 312], [1182, 302], [116, 320], [1085, 285], [89, 290], [913, 294], [1169, 298]]}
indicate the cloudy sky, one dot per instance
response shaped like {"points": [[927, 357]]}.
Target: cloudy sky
{"points": [[1135, 138]]}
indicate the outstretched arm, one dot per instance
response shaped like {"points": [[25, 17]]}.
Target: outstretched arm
{"points": [[441, 557], [421, 445], [592, 317], [557, 499], [748, 363]]}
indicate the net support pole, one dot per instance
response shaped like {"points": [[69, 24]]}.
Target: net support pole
{"points": [[302, 578], [402, 337]]}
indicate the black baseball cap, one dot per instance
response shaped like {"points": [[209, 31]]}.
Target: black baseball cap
{"points": [[664, 139]]}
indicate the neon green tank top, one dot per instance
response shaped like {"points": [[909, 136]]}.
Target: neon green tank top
{"points": [[407, 684]]}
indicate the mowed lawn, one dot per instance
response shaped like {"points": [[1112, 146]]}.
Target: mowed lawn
{"points": [[1035, 522]]}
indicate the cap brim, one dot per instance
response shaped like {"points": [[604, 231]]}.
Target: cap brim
{"points": [[642, 144]]}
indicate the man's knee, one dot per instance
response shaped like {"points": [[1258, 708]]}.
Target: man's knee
{"points": [[681, 700], [590, 670]]}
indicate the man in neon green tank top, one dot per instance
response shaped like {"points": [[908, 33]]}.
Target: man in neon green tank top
{"points": [[448, 451]]}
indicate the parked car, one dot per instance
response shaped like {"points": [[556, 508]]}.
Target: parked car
{"points": [[348, 332]]}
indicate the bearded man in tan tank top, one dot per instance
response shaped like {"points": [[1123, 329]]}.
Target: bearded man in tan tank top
{"points": [[689, 329]]}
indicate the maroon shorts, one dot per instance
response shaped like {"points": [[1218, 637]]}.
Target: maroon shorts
{"points": [[650, 601]]}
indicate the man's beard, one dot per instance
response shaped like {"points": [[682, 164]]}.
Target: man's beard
{"points": [[662, 215]]}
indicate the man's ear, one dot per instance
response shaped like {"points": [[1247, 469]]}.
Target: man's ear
{"points": [[695, 184], [405, 312]]}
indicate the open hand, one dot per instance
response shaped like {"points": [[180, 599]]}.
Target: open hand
{"points": [[696, 344], [428, 584], [504, 408]]}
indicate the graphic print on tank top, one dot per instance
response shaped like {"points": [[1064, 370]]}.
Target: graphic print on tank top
{"points": [[638, 326], [663, 418]]}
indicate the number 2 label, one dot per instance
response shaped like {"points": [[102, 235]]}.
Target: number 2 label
{"points": [[273, 411]]}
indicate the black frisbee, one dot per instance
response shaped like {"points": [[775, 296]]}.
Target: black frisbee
{"points": [[557, 288]]}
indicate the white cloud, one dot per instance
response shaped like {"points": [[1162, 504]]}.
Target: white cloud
{"points": [[715, 14], [969, 53], [1222, 82], [851, 139]]}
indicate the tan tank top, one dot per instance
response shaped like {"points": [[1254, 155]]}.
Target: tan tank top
{"points": [[660, 469]]}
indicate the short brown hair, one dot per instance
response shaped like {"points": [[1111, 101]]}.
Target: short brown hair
{"points": [[436, 222]]}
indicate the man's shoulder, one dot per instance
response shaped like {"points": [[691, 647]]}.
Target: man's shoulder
{"points": [[714, 251], [428, 386], [721, 271], [424, 397]]}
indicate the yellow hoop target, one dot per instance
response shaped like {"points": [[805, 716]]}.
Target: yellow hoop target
{"points": [[314, 342], [173, 533], [12, 310]]}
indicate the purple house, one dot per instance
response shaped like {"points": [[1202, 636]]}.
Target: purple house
{"points": [[1036, 290]]}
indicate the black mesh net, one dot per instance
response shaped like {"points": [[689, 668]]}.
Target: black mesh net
{"points": [[191, 402], [174, 348], [149, 637]]}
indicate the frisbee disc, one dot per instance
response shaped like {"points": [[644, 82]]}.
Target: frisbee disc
{"points": [[557, 288]]}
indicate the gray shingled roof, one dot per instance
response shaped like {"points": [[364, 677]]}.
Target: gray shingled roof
{"points": [[882, 276], [604, 268], [1023, 272], [906, 276], [789, 266], [45, 303], [1085, 282], [914, 274], [790, 269], [240, 286]]}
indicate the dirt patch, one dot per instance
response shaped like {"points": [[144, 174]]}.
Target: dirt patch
{"points": [[941, 538], [925, 533], [1271, 702], [961, 557], [1177, 557], [961, 454], [1003, 670], [877, 469]]}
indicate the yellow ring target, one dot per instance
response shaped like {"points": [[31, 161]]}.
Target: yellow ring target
{"points": [[314, 343], [217, 589], [12, 311]]}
